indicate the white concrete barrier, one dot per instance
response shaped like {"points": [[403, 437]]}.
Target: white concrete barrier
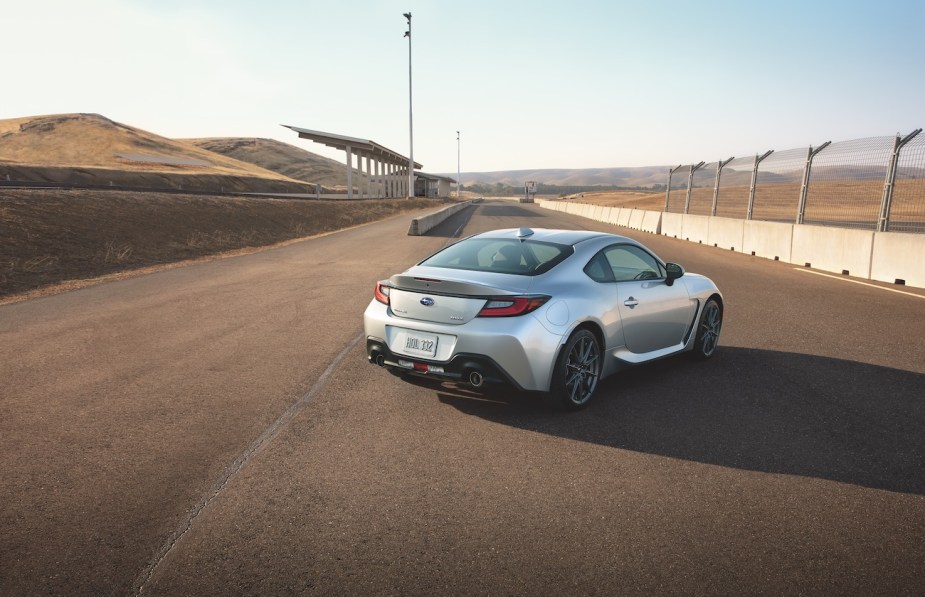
{"points": [[898, 256], [652, 222], [635, 221], [422, 224], [695, 228], [883, 256], [624, 218], [838, 250], [726, 233], [672, 224], [771, 240]]}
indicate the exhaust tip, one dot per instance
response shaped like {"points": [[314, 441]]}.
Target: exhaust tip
{"points": [[475, 379], [380, 360]]}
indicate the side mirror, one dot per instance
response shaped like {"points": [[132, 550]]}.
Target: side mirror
{"points": [[675, 271]]}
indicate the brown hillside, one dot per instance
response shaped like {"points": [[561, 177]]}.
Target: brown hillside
{"points": [[92, 149], [285, 159]]}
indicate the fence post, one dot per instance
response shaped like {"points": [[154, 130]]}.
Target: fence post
{"points": [[804, 188], [719, 169], [690, 185], [668, 189], [886, 202], [751, 188]]}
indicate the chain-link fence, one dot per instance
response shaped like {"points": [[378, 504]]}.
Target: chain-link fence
{"points": [[734, 185], [702, 186], [677, 190], [907, 213], [876, 183], [846, 183], [777, 186]]}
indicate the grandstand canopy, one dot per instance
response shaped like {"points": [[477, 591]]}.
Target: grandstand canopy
{"points": [[357, 145]]}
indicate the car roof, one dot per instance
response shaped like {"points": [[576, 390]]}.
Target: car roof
{"points": [[558, 236]]}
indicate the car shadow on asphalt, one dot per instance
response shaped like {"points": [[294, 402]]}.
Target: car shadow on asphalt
{"points": [[750, 409]]}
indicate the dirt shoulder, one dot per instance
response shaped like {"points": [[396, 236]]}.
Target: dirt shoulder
{"points": [[53, 240]]}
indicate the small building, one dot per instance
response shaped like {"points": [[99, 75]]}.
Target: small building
{"points": [[432, 185]]}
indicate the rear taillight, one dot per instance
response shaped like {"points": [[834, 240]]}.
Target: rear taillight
{"points": [[382, 292], [511, 306]]}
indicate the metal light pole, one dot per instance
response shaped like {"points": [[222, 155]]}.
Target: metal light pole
{"points": [[458, 182], [407, 15]]}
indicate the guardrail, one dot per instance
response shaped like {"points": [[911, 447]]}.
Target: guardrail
{"points": [[894, 257]]}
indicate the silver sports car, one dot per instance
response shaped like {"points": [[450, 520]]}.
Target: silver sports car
{"points": [[552, 311]]}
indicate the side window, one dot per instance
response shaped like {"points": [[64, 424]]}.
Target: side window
{"points": [[629, 262], [598, 269]]}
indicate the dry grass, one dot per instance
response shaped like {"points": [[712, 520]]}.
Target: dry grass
{"points": [[52, 236], [288, 160], [846, 202], [636, 199], [89, 149], [93, 141]]}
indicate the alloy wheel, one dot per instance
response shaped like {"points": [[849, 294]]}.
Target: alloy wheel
{"points": [[582, 369], [710, 324]]}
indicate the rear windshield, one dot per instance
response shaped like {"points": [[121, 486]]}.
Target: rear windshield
{"points": [[506, 256]]}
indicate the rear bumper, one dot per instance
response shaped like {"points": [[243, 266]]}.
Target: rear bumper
{"points": [[518, 350], [472, 369]]}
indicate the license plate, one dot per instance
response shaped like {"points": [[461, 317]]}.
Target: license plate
{"points": [[416, 344]]}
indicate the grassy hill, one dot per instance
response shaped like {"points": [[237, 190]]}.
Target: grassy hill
{"points": [[56, 239], [92, 149], [279, 157]]}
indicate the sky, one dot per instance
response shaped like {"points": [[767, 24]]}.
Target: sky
{"points": [[528, 84]]}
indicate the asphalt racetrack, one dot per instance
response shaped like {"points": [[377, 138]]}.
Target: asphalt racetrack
{"points": [[216, 429]]}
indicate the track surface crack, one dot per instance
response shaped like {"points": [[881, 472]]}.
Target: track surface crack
{"points": [[269, 433]]}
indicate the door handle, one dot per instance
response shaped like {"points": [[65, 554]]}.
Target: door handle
{"points": [[631, 302]]}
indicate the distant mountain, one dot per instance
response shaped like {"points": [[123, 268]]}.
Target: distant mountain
{"points": [[92, 149], [647, 176], [651, 176], [288, 160]]}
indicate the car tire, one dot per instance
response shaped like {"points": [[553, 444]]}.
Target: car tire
{"points": [[576, 373], [708, 330]]}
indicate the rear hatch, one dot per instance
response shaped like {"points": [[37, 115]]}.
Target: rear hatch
{"points": [[429, 294]]}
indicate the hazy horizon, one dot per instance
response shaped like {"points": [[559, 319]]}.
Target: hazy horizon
{"points": [[530, 85]]}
